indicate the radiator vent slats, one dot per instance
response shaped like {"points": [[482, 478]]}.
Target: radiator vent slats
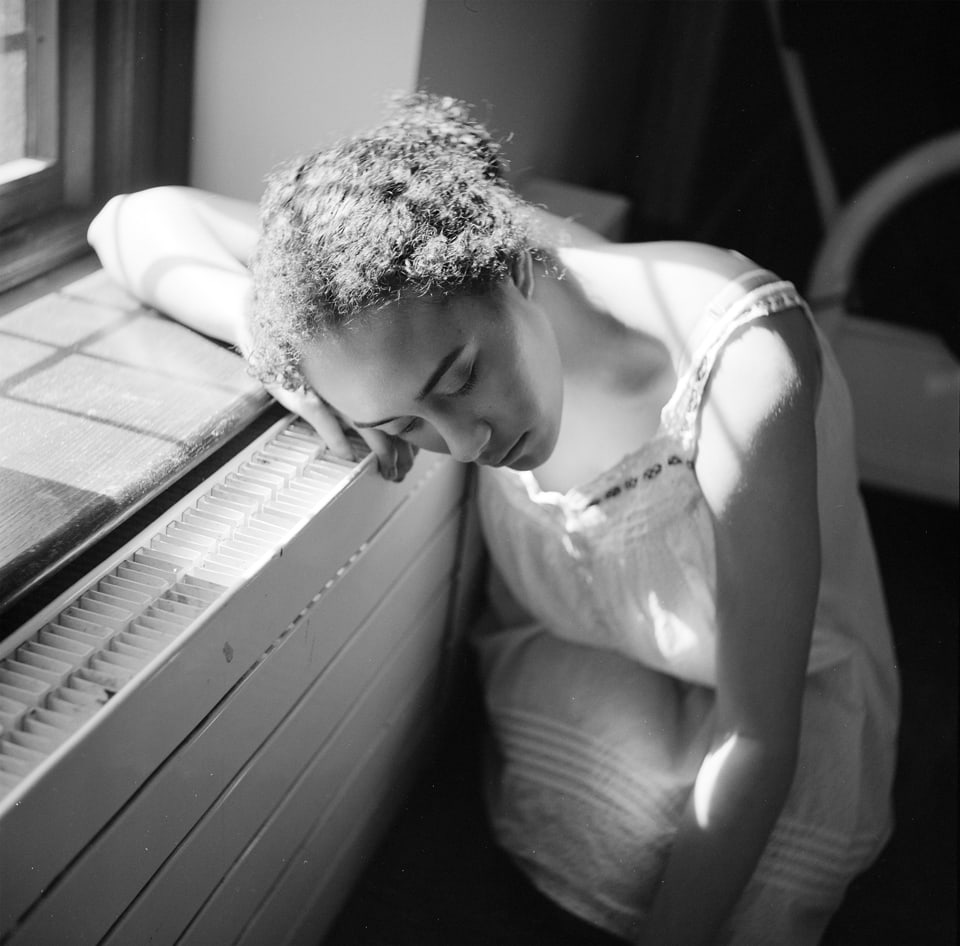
{"points": [[55, 681]]}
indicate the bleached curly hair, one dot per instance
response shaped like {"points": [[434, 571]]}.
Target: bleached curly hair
{"points": [[418, 206]]}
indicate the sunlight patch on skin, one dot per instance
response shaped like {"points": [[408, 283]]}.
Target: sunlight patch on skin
{"points": [[707, 779]]}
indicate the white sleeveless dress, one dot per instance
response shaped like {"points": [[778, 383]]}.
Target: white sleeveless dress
{"points": [[599, 682]]}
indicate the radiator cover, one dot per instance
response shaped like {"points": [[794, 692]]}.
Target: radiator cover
{"points": [[203, 738]]}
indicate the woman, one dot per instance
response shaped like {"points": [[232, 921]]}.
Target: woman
{"points": [[691, 690]]}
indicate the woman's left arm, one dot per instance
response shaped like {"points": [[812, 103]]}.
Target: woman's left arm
{"points": [[757, 466]]}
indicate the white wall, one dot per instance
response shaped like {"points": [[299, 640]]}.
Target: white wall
{"points": [[275, 78]]}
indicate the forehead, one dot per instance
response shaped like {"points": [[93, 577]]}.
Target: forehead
{"points": [[375, 366]]}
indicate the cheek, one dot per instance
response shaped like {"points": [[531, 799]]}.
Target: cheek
{"points": [[512, 396], [532, 384]]}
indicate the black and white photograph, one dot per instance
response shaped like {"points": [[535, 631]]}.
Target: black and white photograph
{"points": [[479, 472]]}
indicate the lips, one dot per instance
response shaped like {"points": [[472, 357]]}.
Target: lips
{"points": [[514, 452]]}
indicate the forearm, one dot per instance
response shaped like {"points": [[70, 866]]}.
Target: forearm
{"points": [[161, 246], [757, 469], [739, 793]]}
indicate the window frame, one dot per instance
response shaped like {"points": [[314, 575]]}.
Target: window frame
{"points": [[125, 74], [40, 187]]}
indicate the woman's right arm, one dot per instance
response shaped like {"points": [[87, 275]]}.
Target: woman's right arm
{"points": [[184, 252]]}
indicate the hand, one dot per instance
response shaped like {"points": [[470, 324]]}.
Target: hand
{"points": [[394, 456]]}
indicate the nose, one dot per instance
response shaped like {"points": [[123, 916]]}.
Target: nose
{"points": [[466, 442]]}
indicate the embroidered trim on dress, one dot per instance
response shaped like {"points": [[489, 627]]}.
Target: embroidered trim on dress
{"points": [[631, 482]]}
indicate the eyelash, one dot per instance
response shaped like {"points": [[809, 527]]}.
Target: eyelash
{"points": [[469, 384], [462, 391]]}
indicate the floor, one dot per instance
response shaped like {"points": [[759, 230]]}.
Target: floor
{"points": [[439, 880]]}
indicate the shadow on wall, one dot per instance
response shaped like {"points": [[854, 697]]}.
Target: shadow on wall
{"points": [[682, 107]]}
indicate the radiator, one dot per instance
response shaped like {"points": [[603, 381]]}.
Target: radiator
{"points": [[204, 737]]}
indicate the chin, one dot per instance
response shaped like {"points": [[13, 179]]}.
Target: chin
{"points": [[536, 452]]}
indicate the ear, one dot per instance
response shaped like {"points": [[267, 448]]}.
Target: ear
{"points": [[522, 274]]}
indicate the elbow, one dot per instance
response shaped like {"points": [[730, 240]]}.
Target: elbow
{"points": [[103, 223], [103, 235], [140, 209], [743, 773], [123, 232], [782, 768], [777, 764], [777, 751]]}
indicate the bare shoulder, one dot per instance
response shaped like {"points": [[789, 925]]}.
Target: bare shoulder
{"points": [[688, 276], [765, 385], [760, 406], [703, 257], [664, 287]]}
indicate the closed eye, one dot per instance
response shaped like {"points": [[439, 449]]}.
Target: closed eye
{"points": [[467, 385], [464, 389]]}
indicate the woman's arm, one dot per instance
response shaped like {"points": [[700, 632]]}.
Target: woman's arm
{"points": [[184, 252], [564, 231], [758, 470]]}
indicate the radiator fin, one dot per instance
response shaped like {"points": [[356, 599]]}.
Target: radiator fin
{"points": [[52, 683]]}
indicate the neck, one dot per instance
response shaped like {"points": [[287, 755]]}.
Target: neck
{"points": [[589, 335], [599, 349]]}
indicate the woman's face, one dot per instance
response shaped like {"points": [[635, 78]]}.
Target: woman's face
{"points": [[478, 377]]}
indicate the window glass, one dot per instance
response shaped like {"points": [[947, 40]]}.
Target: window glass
{"points": [[94, 101], [29, 131], [13, 84]]}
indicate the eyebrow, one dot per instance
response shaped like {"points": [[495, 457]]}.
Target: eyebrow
{"points": [[442, 367]]}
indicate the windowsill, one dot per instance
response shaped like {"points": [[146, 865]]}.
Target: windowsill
{"points": [[35, 248], [103, 404]]}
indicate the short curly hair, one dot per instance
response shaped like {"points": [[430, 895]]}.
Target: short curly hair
{"points": [[418, 206]]}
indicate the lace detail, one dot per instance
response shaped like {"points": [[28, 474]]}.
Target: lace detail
{"points": [[681, 413], [754, 295]]}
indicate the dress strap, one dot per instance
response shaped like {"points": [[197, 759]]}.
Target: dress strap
{"points": [[753, 295]]}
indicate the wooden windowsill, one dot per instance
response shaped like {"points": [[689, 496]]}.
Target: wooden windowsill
{"points": [[103, 405], [38, 247]]}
